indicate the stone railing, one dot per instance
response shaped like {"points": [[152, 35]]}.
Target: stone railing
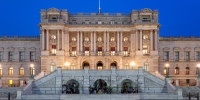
{"points": [[45, 78], [28, 88], [159, 75], [99, 14], [40, 75], [155, 78]]}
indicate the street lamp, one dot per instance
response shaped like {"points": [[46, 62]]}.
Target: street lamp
{"points": [[167, 69], [198, 65], [67, 65], [132, 64], [32, 77]]}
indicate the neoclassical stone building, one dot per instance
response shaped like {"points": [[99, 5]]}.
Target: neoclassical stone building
{"points": [[74, 41]]}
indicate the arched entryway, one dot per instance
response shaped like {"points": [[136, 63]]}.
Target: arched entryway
{"points": [[99, 65], [127, 86], [86, 64], [100, 87], [71, 87], [113, 64]]}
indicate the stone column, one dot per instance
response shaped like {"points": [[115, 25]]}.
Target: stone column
{"points": [[81, 47], [117, 41], [77, 46], [67, 41], [121, 43], [91, 41], [132, 39], [152, 40], [104, 41], [95, 42], [108, 39], [63, 38], [156, 39], [47, 44], [58, 39], [43, 40], [136, 40], [141, 40]]}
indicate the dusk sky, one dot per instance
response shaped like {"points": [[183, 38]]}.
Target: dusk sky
{"points": [[177, 17]]}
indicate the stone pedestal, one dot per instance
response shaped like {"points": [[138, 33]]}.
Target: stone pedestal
{"points": [[114, 81], [140, 80], [86, 82], [59, 81]]}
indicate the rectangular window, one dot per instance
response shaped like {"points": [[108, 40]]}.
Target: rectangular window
{"points": [[53, 51], [166, 55], [87, 52], [32, 56], [187, 55], [10, 56], [188, 81], [1, 56], [125, 51], [99, 51], [197, 55], [146, 66], [73, 51], [21, 56], [176, 56], [112, 51], [1, 71], [10, 82]]}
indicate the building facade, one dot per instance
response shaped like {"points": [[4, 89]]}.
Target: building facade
{"points": [[99, 41]]}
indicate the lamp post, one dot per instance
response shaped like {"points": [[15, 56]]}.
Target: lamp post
{"points": [[132, 64], [167, 70], [32, 77], [198, 65]]}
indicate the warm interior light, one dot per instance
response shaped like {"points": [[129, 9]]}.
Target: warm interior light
{"points": [[67, 64], [132, 63]]}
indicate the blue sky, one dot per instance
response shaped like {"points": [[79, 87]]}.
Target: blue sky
{"points": [[177, 17]]}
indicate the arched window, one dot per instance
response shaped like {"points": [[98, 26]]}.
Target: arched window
{"points": [[33, 71], [99, 65], [53, 67], [187, 70], [10, 71], [21, 71], [176, 71], [165, 71], [86, 64], [1, 71]]}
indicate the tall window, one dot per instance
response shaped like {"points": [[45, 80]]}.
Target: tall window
{"points": [[176, 56], [146, 66], [165, 71], [10, 56], [100, 66], [187, 70], [1, 71], [176, 71], [1, 56], [187, 55], [87, 51], [21, 71], [125, 51], [166, 55], [21, 56], [73, 51], [112, 51], [10, 72], [197, 55], [53, 50], [99, 51], [32, 56], [32, 71], [53, 67]]}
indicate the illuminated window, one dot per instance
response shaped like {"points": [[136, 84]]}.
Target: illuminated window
{"points": [[87, 52], [99, 39], [1, 71], [146, 66], [33, 71], [112, 39], [125, 51], [99, 51], [100, 66], [176, 71], [10, 71], [187, 70], [112, 51], [21, 71], [125, 39], [145, 37], [86, 39], [99, 22], [10, 82], [53, 51], [145, 51], [53, 67], [165, 71], [73, 39], [73, 51]]}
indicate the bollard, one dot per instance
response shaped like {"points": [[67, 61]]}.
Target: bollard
{"points": [[198, 96], [8, 95], [189, 96]]}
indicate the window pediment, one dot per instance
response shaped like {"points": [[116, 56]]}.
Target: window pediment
{"points": [[32, 49], [187, 49], [10, 49], [21, 49], [166, 49], [177, 49]]}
